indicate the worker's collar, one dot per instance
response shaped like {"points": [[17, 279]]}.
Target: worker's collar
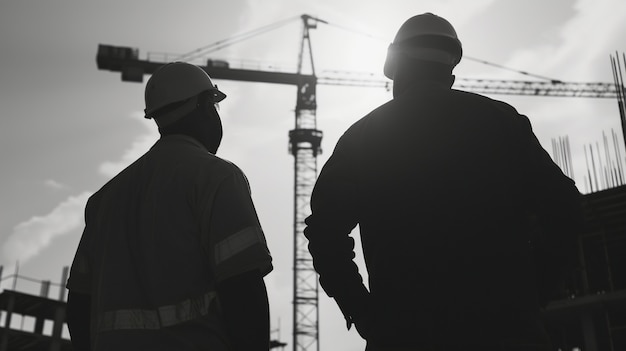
{"points": [[401, 87], [180, 138]]}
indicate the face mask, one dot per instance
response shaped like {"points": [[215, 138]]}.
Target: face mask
{"points": [[214, 131]]}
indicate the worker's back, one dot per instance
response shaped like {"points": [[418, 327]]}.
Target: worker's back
{"points": [[445, 184], [152, 284]]}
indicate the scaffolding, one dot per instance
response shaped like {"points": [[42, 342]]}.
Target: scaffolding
{"points": [[30, 322], [592, 313]]}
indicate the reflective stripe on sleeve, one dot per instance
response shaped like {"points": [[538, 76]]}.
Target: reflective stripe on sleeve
{"points": [[164, 316], [236, 243]]}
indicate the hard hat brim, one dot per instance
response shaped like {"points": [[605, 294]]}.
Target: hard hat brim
{"points": [[218, 95]]}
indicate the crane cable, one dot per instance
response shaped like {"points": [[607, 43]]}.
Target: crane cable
{"points": [[357, 31], [368, 35], [552, 80], [220, 44]]}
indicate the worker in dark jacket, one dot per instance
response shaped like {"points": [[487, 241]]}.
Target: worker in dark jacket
{"points": [[458, 208], [173, 256]]}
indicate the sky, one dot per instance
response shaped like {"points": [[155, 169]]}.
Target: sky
{"points": [[68, 127]]}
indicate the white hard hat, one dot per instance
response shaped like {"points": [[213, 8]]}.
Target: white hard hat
{"points": [[175, 83], [425, 37]]}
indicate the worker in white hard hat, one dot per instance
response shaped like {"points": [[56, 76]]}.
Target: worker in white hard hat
{"points": [[172, 256], [467, 226]]}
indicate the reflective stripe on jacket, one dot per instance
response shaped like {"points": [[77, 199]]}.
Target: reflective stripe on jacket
{"points": [[163, 316]]}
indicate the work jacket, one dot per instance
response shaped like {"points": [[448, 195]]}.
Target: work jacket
{"points": [[445, 186], [158, 238]]}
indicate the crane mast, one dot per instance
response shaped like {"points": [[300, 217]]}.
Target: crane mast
{"points": [[305, 142]]}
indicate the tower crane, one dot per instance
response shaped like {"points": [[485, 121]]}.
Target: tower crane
{"points": [[305, 140]]}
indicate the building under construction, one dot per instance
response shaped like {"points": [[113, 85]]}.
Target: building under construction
{"points": [[591, 315]]}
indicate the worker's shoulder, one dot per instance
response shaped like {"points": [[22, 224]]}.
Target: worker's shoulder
{"points": [[471, 98], [185, 151], [436, 99], [208, 165], [173, 156], [224, 166]]}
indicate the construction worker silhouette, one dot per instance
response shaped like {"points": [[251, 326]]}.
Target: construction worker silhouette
{"points": [[172, 256], [458, 207]]}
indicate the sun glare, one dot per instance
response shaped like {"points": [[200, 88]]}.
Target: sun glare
{"points": [[351, 53]]}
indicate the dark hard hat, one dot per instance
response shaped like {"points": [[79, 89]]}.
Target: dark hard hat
{"points": [[425, 37]]}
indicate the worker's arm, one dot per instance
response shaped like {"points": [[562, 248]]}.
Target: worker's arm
{"points": [[78, 317], [240, 259], [334, 205], [245, 306], [557, 205]]}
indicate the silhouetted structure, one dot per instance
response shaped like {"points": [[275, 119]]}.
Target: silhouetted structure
{"points": [[42, 309], [594, 316]]}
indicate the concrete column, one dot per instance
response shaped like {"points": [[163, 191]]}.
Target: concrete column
{"points": [[589, 332], [4, 343], [57, 328], [66, 271]]}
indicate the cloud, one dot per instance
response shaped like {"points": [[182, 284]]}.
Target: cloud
{"points": [[581, 53], [34, 235], [53, 184], [138, 148], [587, 39]]}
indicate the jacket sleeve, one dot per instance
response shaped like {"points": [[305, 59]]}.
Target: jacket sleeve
{"points": [[232, 232], [334, 206], [81, 271], [556, 206]]}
